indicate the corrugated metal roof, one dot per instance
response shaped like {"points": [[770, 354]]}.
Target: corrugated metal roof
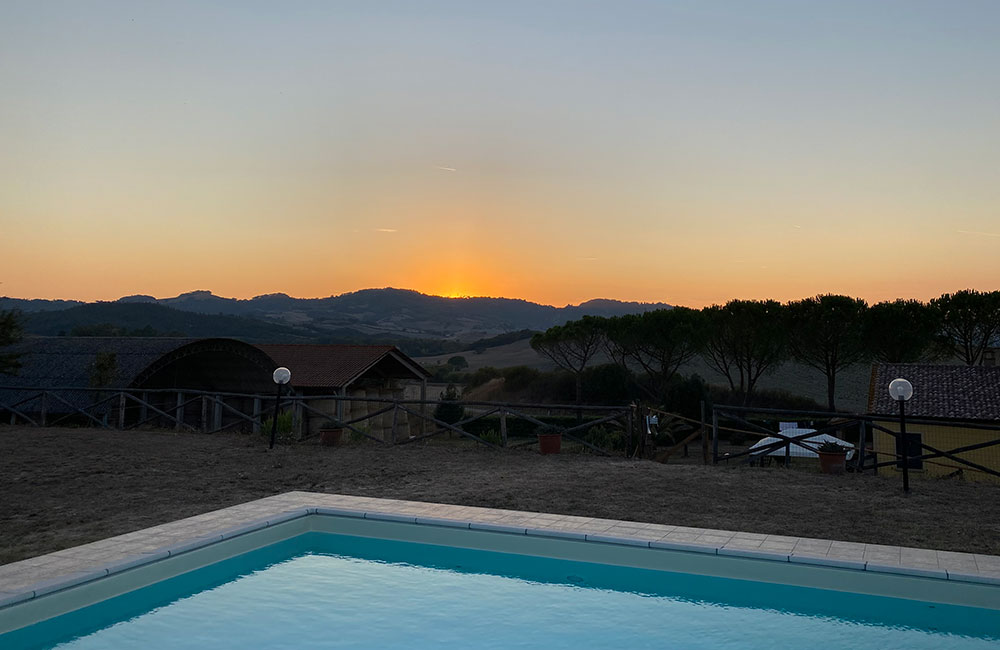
{"points": [[64, 361], [333, 366], [48, 361], [958, 392]]}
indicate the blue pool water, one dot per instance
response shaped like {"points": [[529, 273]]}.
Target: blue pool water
{"points": [[333, 591]]}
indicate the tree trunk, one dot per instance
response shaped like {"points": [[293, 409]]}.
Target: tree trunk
{"points": [[831, 389], [579, 396]]}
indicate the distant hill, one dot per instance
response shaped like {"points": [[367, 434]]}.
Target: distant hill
{"points": [[150, 319], [397, 313]]}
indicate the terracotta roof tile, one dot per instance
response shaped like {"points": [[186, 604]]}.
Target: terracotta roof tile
{"points": [[329, 366], [959, 392]]}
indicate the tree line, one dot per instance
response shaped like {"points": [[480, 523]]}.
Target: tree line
{"points": [[746, 339]]}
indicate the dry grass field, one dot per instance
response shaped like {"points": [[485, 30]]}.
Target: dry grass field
{"points": [[63, 487]]}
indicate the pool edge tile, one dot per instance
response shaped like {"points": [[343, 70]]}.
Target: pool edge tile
{"points": [[446, 523], [498, 528], [684, 546], [288, 515], [388, 516], [907, 570], [9, 598], [772, 556], [819, 560], [339, 512], [66, 581], [978, 578], [621, 541], [134, 561], [561, 534]]}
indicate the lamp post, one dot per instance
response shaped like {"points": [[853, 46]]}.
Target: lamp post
{"points": [[281, 377], [901, 391]]}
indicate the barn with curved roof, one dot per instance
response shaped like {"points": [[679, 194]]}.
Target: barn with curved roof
{"points": [[76, 373]]}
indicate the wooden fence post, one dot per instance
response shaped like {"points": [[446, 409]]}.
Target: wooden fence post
{"points": [[143, 410], [256, 415], [631, 429], [298, 418], [423, 407], [704, 436], [715, 437], [217, 413], [204, 414], [862, 434], [503, 427], [179, 411], [42, 408], [395, 419], [121, 410]]}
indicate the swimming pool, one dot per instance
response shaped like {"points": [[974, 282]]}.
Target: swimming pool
{"points": [[343, 581]]}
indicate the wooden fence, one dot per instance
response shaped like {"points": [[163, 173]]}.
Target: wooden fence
{"points": [[213, 412], [975, 450]]}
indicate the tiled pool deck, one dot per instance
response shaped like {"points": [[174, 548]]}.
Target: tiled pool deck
{"points": [[40, 575]]}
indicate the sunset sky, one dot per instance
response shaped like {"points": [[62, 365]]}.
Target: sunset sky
{"points": [[684, 152]]}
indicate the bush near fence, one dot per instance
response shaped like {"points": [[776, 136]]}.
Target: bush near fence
{"points": [[519, 428]]}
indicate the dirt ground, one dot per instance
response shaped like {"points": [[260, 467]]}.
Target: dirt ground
{"points": [[63, 487]]}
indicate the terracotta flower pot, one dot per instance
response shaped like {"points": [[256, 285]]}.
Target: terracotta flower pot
{"points": [[331, 437], [549, 443], [832, 462]]}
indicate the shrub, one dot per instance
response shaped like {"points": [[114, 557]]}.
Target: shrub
{"points": [[355, 436], [770, 398], [519, 378], [606, 437], [481, 376], [491, 435], [449, 410], [685, 395], [608, 383], [555, 387], [286, 425]]}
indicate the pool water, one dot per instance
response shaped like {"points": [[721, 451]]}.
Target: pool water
{"points": [[335, 591]]}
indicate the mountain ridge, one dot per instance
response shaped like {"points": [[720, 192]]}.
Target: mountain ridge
{"points": [[372, 312]]}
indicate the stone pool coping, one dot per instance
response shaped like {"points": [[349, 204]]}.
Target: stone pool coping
{"points": [[38, 576]]}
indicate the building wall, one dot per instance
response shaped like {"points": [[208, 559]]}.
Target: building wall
{"points": [[379, 426], [945, 438]]}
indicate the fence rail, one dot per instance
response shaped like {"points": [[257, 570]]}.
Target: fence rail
{"points": [[944, 446], [383, 420]]}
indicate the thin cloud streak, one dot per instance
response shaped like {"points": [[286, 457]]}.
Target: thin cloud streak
{"points": [[386, 230], [446, 169], [981, 234]]}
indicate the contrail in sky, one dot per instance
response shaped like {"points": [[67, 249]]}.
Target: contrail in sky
{"points": [[447, 169], [386, 230], [983, 234]]}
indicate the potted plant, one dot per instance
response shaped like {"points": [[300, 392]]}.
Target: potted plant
{"points": [[549, 442], [331, 436], [832, 457]]}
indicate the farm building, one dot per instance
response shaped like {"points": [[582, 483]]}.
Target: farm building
{"points": [[954, 409], [79, 376], [355, 371]]}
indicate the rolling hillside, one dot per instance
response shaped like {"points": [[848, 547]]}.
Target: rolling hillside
{"points": [[796, 378], [373, 312]]}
